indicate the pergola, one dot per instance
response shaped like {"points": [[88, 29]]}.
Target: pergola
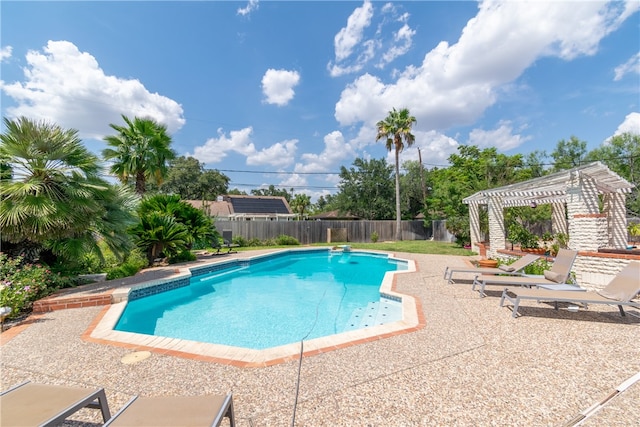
{"points": [[575, 196]]}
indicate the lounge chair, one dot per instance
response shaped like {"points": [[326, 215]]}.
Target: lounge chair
{"points": [[515, 269], [620, 291], [556, 277], [30, 404], [225, 245], [192, 411]]}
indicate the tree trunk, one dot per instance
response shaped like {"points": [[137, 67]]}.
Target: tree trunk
{"points": [[398, 215], [140, 183]]}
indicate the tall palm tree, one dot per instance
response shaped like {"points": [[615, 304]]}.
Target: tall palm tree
{"points": [[52, 196], [396, 128], [141, 151]]}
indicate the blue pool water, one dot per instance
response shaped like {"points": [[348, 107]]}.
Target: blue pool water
{"points": [[270, 302]]}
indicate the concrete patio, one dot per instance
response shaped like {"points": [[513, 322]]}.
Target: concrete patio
{"points": [[472, 364]]}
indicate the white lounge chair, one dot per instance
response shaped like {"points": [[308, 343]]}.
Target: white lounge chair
{"points": [[620, 291], [30, 404], [557, 277], [515, 269], [192, 411]]}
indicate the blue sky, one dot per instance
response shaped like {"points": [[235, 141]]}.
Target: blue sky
{"points": [[295, 88]]}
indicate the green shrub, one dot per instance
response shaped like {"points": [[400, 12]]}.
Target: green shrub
{"points": [[183, 256], [374, 237], [538, 267], [284, 240], [134, 262], [239, 240], [254, 242], [22, 284]]}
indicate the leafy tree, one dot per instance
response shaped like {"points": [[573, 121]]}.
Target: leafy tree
{"points": [[188, 178], [396, 130], [140, 152], [366, 190], [158, 233], [568, 154], [324, 203], [53, 197], [273, 191], [411, 188], [236, 192], [300, 203], [622, 155], [199, 227]]}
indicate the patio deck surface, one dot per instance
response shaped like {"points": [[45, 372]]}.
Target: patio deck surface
{"points": [[471, 364]]}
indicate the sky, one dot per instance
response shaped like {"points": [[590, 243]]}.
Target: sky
{"points": [[284, 93]]}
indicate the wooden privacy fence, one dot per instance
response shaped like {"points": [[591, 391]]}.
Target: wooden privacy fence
{"points": [[316, 231]]}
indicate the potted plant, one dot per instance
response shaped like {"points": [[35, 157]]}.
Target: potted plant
{"points": [[527, 240], [489, 262]]}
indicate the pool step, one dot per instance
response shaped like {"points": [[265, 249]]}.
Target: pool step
{"points": [[375, 313]]}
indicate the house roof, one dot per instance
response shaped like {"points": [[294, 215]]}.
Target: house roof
{"points": [[212, 208], [245, 207], [553, 188], [258, 205]]}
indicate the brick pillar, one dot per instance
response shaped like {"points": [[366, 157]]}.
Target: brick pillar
{"points": [[559, 218], [474, 225], [587, 226], [616, 212], [497, 235]]}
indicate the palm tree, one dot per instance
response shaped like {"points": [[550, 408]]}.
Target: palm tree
{"points": [[396, 128], [141, 151], [300, 203], [52, 195]]}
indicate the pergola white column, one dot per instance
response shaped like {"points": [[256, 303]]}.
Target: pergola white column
{"points": [[587, 226], [474, 225], [616, 211], [559, 218], [496, 225]]}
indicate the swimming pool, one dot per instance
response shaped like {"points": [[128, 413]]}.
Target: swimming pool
{"points": [[271, 301], [102, 329]]}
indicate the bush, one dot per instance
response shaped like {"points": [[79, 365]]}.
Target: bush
{"points": [[239, 240], [284, 240], [254, 242], [459, 227], [183, 256], [538, 267], [134, 262], [22, 284], [374, 237]]}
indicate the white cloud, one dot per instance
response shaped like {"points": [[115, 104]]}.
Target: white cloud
{"points": [[435, 149], [630, 124], [404, 38], [348, 37], [335, 150], [354, 49], [279, 155], [502, 137], [456, 83], [214, 150], [69, 88], [250, 7], [277, 86], [5, 53], [631, 66]]}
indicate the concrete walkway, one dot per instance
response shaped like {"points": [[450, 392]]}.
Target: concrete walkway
{"points": [[471, 365]]}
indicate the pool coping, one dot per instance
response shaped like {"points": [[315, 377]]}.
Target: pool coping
{"points": [[101, 329]]}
